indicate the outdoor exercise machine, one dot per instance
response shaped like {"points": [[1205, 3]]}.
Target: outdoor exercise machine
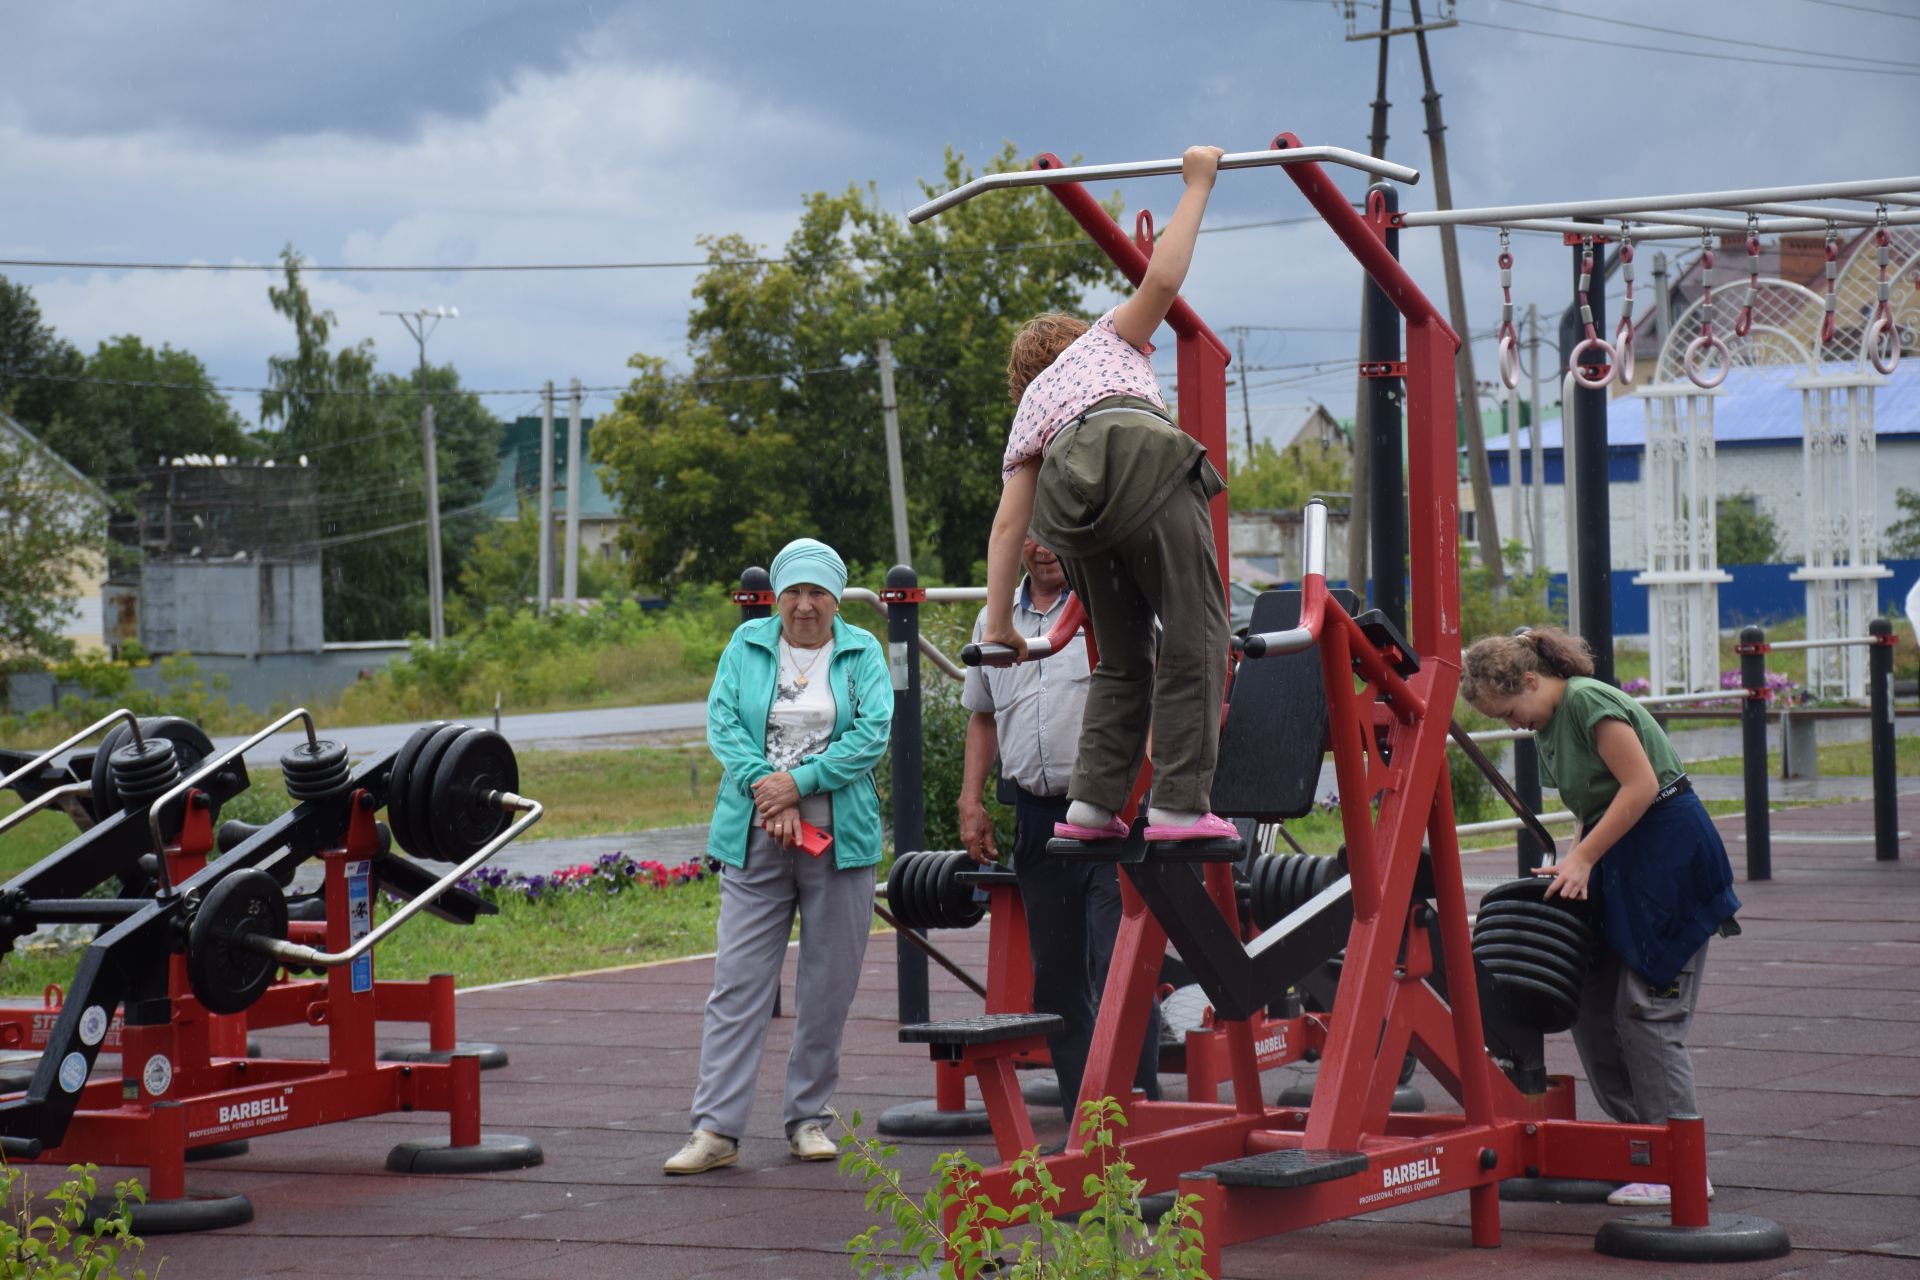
{"points": [[210, 937], [1386, 704]]}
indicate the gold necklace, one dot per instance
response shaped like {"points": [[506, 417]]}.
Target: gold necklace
{"points": [[800, 673]]}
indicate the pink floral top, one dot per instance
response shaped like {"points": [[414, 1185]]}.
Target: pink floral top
{"points": [[1097, 364]]}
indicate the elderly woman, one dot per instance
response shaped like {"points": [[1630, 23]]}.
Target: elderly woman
{"points": [[799, 715]]}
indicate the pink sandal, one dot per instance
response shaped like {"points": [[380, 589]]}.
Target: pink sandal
{"points": [[1209, 827], [1115, 830]]}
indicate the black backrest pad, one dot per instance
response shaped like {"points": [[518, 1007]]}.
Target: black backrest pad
{"points": [[1276, 730]]}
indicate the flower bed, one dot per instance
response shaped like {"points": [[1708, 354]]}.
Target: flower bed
{"points": [[611, 873]]}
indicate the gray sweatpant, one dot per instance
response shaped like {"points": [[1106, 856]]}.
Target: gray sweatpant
{"points": [[1633, 1040], [757, 905]]}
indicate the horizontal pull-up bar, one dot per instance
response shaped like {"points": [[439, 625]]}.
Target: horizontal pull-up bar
{"points": [[1158, 169], [1507, 215], [1688, 227]]}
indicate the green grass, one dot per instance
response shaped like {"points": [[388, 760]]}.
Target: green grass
{"points": [[1837, 760]]}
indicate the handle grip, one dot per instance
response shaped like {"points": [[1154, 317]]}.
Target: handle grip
{"points": [[999, 655]]}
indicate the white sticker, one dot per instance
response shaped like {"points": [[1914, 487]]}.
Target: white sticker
{"points": [[93, 1025], [73, 1071], [158, 1076]]}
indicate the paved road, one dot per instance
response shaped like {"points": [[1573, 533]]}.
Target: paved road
{"points": [[591, 730]]}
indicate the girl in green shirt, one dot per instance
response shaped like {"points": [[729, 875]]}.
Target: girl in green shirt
{"points": [[1649, 861]]}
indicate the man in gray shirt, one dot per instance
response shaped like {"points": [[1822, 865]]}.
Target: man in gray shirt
{"points": [[1029, 715]]}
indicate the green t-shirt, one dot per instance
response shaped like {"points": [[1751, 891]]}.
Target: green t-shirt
{"points": [[1569, 760]]}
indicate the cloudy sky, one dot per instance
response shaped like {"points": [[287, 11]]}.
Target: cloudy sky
{"points": [[454, 133]]}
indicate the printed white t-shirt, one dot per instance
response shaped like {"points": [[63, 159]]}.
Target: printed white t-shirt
{"points": [[1097, 364], [800, 722]]}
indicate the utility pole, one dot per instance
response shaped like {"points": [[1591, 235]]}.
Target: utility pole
{"points": [[1246, 408], [545, 599], [896, 477], [1486, 521], [421, 323], [1360, 510], [570, 585], [1539, 487]]}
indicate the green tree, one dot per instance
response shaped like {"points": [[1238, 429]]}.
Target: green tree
{"points": [[1743, 533], [50, 529], [138, 405], [36, 364], [1283, 479], [776, 430], [1903, 535], [361, 429], [502, 571]]}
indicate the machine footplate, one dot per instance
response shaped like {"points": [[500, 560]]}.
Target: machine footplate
{"points": [[991, 1028], [1295, 1168]]}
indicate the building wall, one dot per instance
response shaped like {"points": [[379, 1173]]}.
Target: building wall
{"points": [[1270, 541], [242, 608]]}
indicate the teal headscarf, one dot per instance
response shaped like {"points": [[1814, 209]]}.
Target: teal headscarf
{"points": [[809, 560]]}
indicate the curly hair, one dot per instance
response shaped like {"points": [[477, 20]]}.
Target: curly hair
{"points": [[1037, 345], [1498, 665]]}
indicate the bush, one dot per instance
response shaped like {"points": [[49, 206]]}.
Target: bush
{"points": [[1528, 600], [1110, 1240], [61, 1243], [1743, 533], [106, 684]]}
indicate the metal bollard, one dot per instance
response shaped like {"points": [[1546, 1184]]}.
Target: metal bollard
{"points": [[1886, 804], [1753, 650], [903, 596], [755, 598]]}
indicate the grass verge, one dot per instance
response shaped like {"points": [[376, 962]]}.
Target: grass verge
{"points": [[1837, 759]]}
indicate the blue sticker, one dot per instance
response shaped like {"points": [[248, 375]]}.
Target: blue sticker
{"points": [[73, 1071]]}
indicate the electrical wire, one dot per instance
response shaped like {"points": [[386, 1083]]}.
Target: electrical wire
{"points": [[1885, 13], [1695, 35], [1687, 53]]}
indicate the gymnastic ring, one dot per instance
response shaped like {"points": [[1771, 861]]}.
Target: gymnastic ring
{"points": [[1706, 342], [1579, 375], [1509, 361], [1870, 343], [1623, 352]]}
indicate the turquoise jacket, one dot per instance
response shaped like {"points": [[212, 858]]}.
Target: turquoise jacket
{"points": [[737, 707]]}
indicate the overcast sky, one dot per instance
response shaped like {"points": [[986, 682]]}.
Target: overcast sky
{"points": [[455, 132]]}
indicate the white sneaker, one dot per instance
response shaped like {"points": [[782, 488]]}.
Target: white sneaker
{"points": [[1657, 1194], [810, 1142], [704, 1150]]}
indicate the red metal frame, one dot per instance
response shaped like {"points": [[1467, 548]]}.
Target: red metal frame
{"points": [[1389, 740], [212, 1093]]}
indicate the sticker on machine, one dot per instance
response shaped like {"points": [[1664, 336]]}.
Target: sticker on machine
{"points": [[93, 1025], [158, 1075], [73, 1071]]}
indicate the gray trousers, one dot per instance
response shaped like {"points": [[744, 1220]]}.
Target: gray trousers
{"points": [[1166, 569], [757, 905], [1633, 1040]]}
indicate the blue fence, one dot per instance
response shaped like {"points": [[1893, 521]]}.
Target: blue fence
{"points": [[1760, 594]]}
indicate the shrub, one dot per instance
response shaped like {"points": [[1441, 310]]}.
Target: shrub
{"points": [[1110, 1240], [61, 1243]]}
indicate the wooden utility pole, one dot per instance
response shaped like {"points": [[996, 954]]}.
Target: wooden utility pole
{"points": [[1485, 519], [1360, 510]]}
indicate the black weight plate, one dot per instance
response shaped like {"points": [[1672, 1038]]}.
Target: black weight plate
{"points": [[918, 916], [961, 911], [1264, 883], [1538, 942], [227, 977], [1544, 974], [926, 892], [1494, 956], [480, 761], [191, 746], [319, 756], [939, 883], [1542, 1007], [897, 888], [1521, 915], [399, 777], [1533, 889], [416, 821]]}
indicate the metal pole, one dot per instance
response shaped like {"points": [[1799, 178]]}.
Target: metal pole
{"points": [[1387, 497], [1246, 407], [436, 619], [1595, 528], [570, 574], [545, 598], [896, 478], [1886, 802], [1486, 521], [1494, 216], [903, 598], [755, 598], [1753, 747], [1360, 512], [1538, 524]]}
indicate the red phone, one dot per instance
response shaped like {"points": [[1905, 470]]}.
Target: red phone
{"points": [[813, 839]]}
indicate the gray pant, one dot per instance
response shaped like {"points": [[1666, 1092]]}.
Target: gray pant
{"points": [[1633, 1040], [1166, 569], [756, 921]]}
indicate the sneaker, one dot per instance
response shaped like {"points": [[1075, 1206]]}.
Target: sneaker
{"points": [[1209, 827], [1114, 830], [1656, 1194], [704, 1150], [810, 1142]]}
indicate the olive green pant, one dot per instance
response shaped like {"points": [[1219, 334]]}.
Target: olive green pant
{"points": [[1167, 568]]}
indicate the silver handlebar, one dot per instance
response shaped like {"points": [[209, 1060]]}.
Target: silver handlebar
{"points": [[1314, 557]]}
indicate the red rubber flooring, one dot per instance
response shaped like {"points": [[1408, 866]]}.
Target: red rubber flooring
{"points": [[1807, 1048]]}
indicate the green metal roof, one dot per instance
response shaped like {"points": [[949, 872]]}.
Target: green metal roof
{"points": [[518, 478]]}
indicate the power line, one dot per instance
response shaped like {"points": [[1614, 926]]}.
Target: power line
{"points": [[221, 388], [1885, 13], [1695, 35], [1687, 53], [1027, 246]]}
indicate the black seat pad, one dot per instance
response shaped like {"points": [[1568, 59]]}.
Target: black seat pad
{"points": [[1276, 731]]}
